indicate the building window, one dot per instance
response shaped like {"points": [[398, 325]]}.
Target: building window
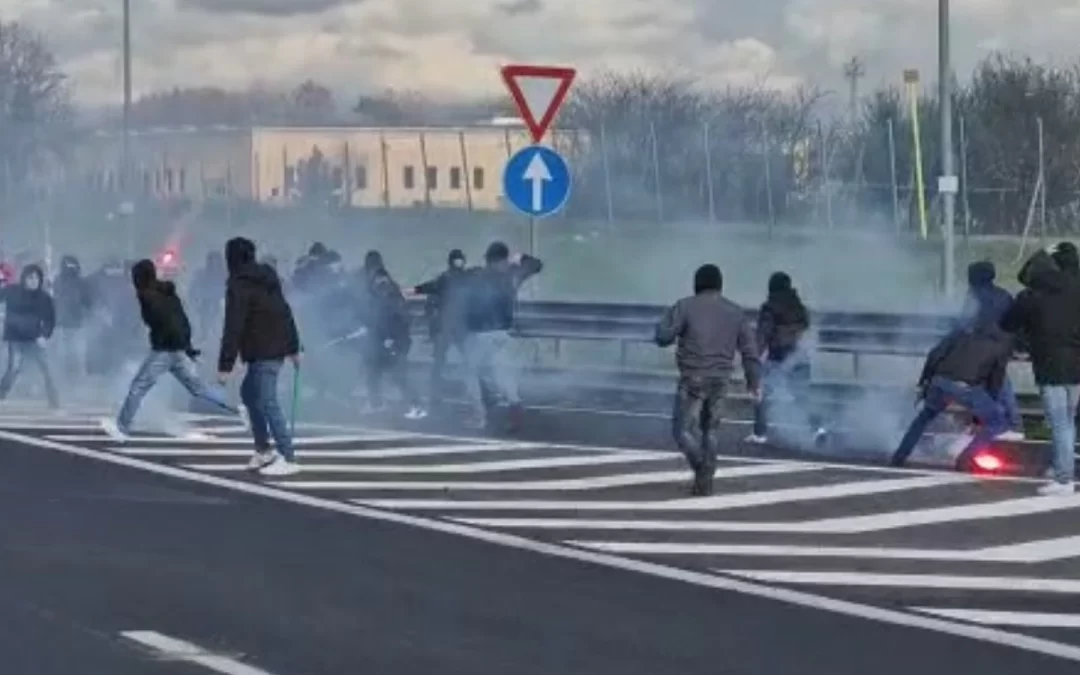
{"points": [[361, 178], [409, 177], [183, 181], [431, 175], [478, 178], [338, 177], [455, 178], [169, 181]]}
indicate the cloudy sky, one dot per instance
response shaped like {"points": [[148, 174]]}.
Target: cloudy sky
{"points": [[453, 47]]}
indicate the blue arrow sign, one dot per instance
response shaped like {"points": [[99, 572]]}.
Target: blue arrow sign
{"points": [[536, 181]]}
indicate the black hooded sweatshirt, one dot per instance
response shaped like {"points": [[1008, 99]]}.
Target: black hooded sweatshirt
{"points": [[782, 320], [72, 294], [30, 313], [1046, 317], [161, 309], [976, 355], [259, 323]]}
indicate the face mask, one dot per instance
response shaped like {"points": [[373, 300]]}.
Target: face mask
{"points": [[458, 263]]}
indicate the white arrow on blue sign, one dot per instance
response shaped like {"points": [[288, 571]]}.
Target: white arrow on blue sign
{"points": [[536, 181]]}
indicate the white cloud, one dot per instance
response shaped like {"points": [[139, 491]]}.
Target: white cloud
{"points": [[456, 47]]}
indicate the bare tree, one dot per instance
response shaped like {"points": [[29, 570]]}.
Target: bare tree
{"points": [[312, 103]]}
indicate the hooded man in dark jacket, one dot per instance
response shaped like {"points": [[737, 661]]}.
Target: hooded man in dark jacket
{"points": [[29, 320], [1046, 318], [170, 350], [967, 367], [985, 304], [260, 330], [710, 331], [389, 323], [445, 313], [74, 301], [782, 322]]}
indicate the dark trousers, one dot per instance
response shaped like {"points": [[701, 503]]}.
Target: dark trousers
{"points": [[442, 341], [699, 406], [939, 394], [18, 354]]}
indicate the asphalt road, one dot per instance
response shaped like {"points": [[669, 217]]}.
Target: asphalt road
{"points": [[108, 563]]}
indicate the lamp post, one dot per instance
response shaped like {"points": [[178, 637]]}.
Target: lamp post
{"points": [[948, 185]]}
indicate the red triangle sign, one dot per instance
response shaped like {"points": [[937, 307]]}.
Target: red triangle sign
{"points": [[538, 93]]}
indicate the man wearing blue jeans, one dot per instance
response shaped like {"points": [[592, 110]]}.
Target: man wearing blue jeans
{"points": [[259, 328], [1046, 318], [170, 349], [967, 368]]}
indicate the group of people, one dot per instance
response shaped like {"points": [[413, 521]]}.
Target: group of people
{"points": [[967, 368]]}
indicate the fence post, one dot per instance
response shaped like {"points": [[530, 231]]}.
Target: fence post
{"points": [[1042, 182], [892, 176], [466, 170], [709, 174], [607, 176], [424, 163], [766, 164], [965, 203], [656, 173]]}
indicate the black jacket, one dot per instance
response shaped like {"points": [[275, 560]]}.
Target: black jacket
{"points": [[1046, 318], [445, 303], [72, 295], [386, 313], [491, 294], [781, 323], [259, 323], [976, 355], [30, 313], [164, 315]]}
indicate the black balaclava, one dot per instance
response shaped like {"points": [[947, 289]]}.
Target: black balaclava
{"points": [[143, 274], [708, 278], [456, 258], [238, 253]]}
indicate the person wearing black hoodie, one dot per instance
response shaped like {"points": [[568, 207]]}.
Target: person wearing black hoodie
{"points": [[986, 303], [782, 322], [74, 301], [1046, 318], [170, 350], [967, 367], [445, 315], [29, 320], [260, 330], [710, 331], [388, 322]]}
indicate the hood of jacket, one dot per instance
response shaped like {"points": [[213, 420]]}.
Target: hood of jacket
{"points": [[786, 306], [239, 254], [1041, 273]]}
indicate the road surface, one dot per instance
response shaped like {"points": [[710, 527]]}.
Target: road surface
{"points": [[416, 551]]}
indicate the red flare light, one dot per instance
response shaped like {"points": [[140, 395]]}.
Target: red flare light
{"points": [[987, 461], [167, 259]]}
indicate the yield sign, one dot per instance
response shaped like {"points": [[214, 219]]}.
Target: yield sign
{"points": [[538, 93]]}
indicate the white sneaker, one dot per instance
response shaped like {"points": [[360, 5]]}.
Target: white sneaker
{"points": [[756, 440], [416, 413], [112, 430], [245, 416], [261, 459], [1056, 489], [1012, 436], [279, 467]]}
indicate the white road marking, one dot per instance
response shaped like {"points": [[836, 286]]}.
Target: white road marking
{"points": [[798, 598], [460, 468], [846, 525], [56, 423], [1042, 550], [995, 618], [375, 453], [233, 440], [178, 650], [570, 484], [715, 503], [937, 581]]}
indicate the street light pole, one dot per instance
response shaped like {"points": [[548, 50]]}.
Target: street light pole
{"points": [[948, 183], [125, 160]]}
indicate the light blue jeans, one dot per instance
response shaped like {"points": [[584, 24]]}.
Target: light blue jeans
{"points": [[1059, 404], [153, 367], [489, 362], [259, 392]]}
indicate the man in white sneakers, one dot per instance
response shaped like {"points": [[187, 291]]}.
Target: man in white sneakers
{"points": [[170, 349], [260, 330]]}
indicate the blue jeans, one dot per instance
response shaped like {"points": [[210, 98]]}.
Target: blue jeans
{"points": [[153, 367], [938, 396], [1059, 404], [1010, 406], [786, 394], [259, 392], [18, 353], [489, 362]]}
